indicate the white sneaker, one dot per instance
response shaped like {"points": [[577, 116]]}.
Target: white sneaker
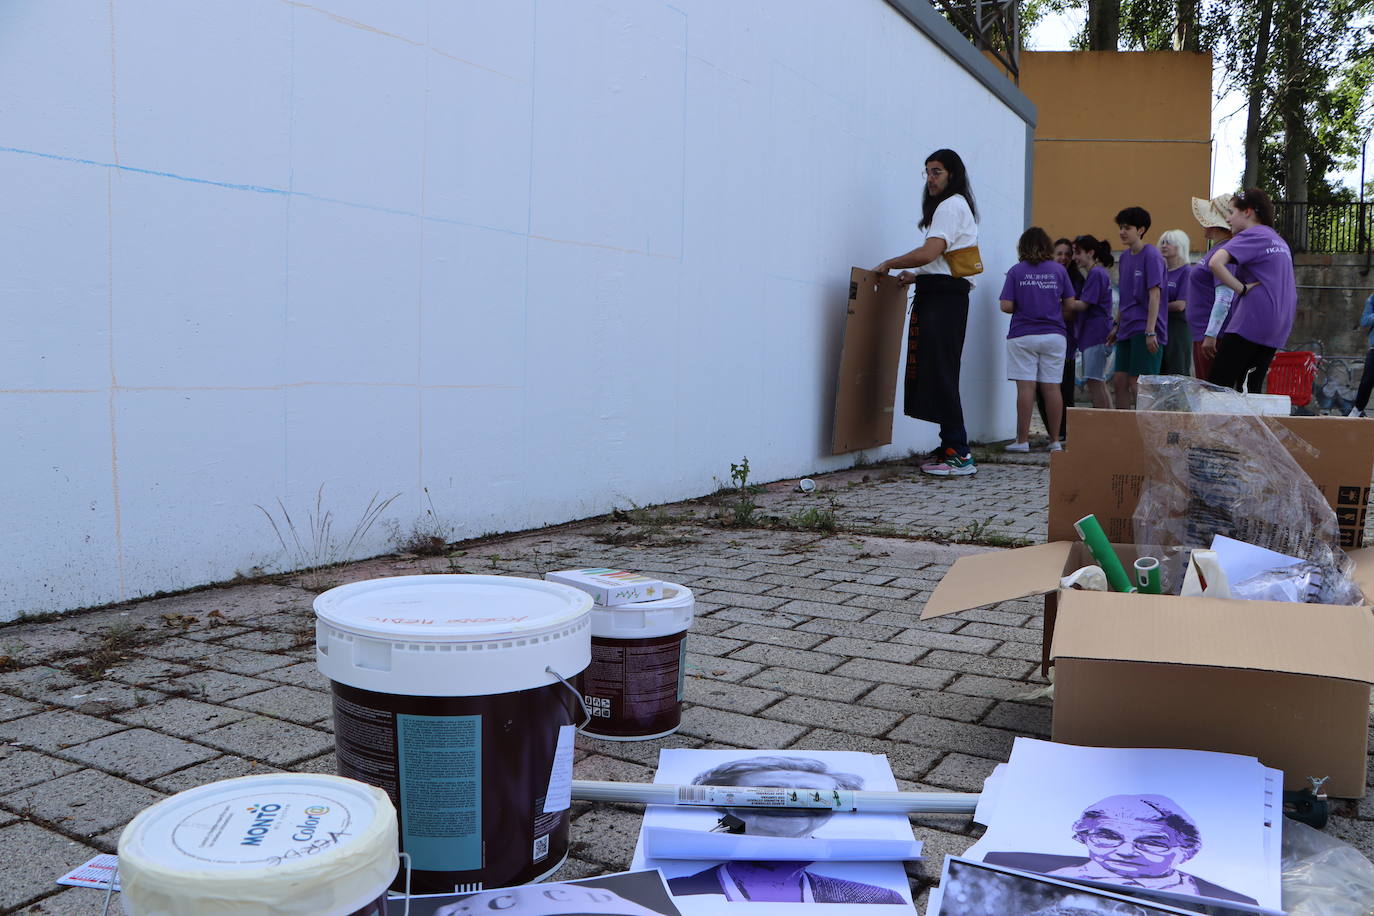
{"points": [[1355, 412], [1056, 446], [1016, 447]]}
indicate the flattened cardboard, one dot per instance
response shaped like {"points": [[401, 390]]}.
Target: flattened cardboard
{"points": [[1103, 471], [999, 575], [866, 393], [1301, 724]]}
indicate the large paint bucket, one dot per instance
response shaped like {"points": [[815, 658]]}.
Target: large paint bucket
{"points": [[284, 844], [451, 693], [633, 687]]}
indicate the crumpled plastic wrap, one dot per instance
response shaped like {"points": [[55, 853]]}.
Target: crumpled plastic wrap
{"points": [[1212, 466], [1324, 876]]}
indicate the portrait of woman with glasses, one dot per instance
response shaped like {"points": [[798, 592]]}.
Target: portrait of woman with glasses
{"points": [[1132, 841]]}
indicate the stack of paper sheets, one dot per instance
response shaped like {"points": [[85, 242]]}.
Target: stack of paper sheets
{"points": [[1190, 828], [836, 860]]}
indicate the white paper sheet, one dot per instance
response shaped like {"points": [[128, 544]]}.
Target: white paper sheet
{"points": [[559, 796], [96, 873], [1241, 561], [1047, 788], [838, 888], [676, 843]]}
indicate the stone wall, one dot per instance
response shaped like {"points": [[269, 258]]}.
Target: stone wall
{"points": [[1331, 294]]}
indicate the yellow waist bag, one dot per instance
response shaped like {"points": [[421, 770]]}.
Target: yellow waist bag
{"points": [[964, 262]]}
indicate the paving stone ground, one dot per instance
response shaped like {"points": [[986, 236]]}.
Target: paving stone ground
{"points": [[803, 639]]}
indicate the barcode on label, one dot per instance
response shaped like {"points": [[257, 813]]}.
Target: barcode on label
{"points": [[541, 848], [687, 795]]}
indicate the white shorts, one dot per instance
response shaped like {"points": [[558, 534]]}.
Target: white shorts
{"points": [[1095, 363], [1036, 358]]}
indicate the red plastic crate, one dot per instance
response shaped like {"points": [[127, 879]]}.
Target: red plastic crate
{"points": [[1293, 373]]}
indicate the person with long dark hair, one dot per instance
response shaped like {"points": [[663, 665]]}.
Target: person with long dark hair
{"points": [[1093, 323], [1266, 293], [939, 314]]}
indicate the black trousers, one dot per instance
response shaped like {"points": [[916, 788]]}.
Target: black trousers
{"points": [[1240, 363], [1366, 381]]}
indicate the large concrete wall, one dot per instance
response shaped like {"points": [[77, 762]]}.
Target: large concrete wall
{"points": [[521, 261], [1331, 295], [1119, 129]]}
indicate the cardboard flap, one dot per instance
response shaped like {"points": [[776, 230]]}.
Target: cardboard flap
{"points": [[1317, 639], [999, 575]]}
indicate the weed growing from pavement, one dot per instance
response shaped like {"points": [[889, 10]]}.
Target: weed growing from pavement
{"points": [[117, 641], [740, 495], [815, 518], [429, 536], [312, 550]]}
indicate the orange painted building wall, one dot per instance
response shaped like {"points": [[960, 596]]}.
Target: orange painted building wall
{"points": [[1119, 129]]}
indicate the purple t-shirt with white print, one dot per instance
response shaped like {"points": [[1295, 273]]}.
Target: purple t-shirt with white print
{"points": [[1094, 323], [1138, 274], [1175, 285], [1263, 315], [1037, 293]]}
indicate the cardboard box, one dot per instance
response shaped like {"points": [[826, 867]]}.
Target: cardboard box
{"points": [[1287, 683], [610, 587], [1102, 470]]}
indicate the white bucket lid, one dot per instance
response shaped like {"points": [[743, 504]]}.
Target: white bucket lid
{"points": [[452, 635], [281, 844], [646, 619]]}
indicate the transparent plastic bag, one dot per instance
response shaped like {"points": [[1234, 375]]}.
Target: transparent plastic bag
{"points": [[1324, 876], [1212, 466], [1302, 583]]}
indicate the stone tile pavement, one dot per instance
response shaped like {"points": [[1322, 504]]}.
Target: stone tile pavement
{"points": [[803, 639]]}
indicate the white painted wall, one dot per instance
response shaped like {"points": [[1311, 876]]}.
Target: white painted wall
{"points": [[540, 257]]}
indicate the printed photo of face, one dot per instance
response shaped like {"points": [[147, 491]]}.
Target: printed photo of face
{"points": [[546, 900], [785, 773], [1134, 848]]}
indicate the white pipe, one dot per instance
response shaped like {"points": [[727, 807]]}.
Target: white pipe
{"points": [[717, 796]]}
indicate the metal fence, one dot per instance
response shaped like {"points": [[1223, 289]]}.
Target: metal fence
{"points": [[1344, 227]]}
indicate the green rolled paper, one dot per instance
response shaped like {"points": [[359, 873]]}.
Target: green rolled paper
{"points": [[1090, 530], [1147, 575]]}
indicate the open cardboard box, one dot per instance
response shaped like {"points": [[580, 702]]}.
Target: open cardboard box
{"points": [[1287, 683]]}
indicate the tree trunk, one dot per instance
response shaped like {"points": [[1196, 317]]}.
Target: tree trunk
{"points": [[1104, 25], [1185, 32], [1293, 107], [1254, 115]]}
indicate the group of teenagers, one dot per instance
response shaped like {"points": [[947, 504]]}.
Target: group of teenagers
{"points": [[1221, 319]]}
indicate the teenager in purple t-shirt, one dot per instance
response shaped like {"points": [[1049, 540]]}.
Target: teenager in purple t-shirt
{"points": [[1093, 323], [1142, 330], [1036, 294], [1258, 266], [1204, 290]]}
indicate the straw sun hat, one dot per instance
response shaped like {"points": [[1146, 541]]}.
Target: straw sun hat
{"points": [[1212, 213]]}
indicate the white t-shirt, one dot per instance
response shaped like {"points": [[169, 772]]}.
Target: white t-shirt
{"points": [[953, 222]]}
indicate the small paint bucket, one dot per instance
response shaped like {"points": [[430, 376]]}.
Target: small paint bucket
{"points": [[452, 694], [282, 844], [633, 687]]}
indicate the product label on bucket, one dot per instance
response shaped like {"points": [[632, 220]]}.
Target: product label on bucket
{"points": [[634, 685], [266, 827], [440, 762]]}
